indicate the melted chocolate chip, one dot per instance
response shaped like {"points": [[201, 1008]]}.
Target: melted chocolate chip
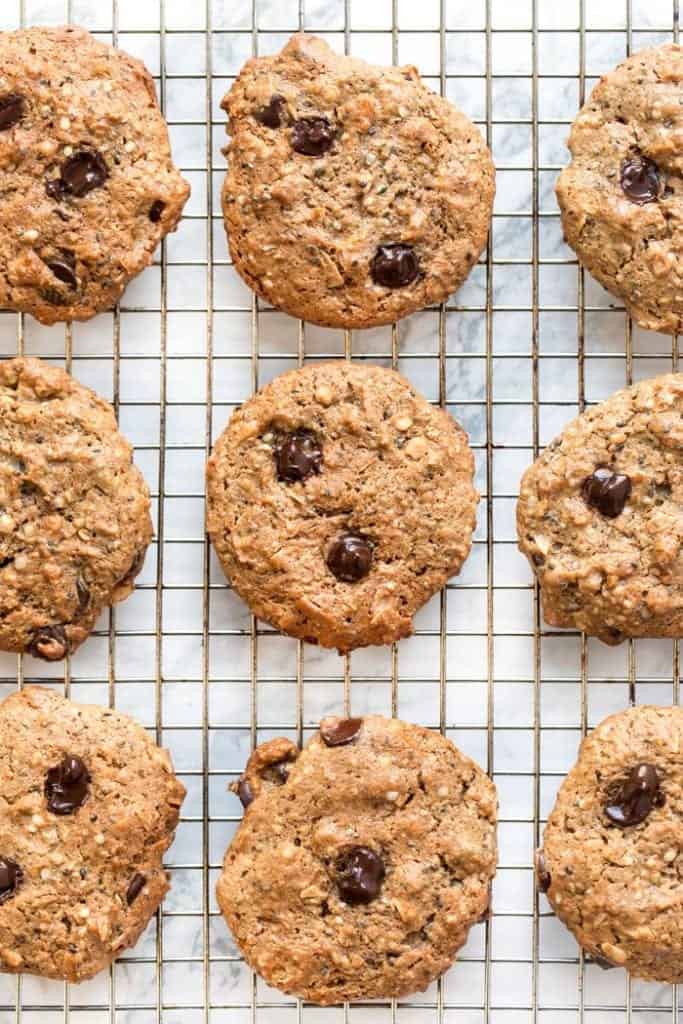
{"points": [[49, 643], [350, 557], [245, 792], [632, 800], [280, 771], [312, 136], [271, 114], [12, 109], [11, 876], [80, 174], [394, 266], [359, 873], [66, 785], [298, 456], [137, 884], [543, 878], [640, 179], [606, 491], [156, 210], [83, 594], [64, 268], [337, 732]]}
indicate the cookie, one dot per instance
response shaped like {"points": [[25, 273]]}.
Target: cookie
{"points": [[88, 807], [354, 194], [599, 516], [361, 862], [88, 185], [74, 510], [610, 862], [339, 501], [622, 195]]}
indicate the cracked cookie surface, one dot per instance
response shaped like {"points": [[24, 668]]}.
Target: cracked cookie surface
{"points": [[618, 887], [354, 194], [89, 188], [362, 861], [88, 807], [599, 516], [74, 510], [339, 500], [622, 195]]}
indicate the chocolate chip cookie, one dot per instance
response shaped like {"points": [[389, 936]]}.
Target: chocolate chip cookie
{"points": [[74, 510], [362, 860], [88, 807], [339, 501], [599, 516], [611, 857], [87, 185], [622, 195], [354, 194]]}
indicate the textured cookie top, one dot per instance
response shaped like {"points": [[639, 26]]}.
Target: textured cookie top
{"points": [[339, 501], [354, 194], [88, 185], [74, 510], [599, 516], [88, 806], [622, 195], [361, 861], [611, 850]]}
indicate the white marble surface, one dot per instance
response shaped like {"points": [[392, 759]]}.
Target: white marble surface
{"points": [[162, 679]]}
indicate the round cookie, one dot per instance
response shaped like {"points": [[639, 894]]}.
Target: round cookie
{"points": [[339, 500], [88, 185], [622, 195], [354, 194], [74, 510], [361, 862], [610, 863], [599, 516], [88, 807]]}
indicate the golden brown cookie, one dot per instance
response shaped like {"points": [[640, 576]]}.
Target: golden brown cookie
{"points": [[88, 807], [362, 861], [354, 194], [339, 501], [87, 185]]}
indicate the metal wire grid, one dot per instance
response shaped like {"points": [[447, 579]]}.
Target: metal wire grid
{"points": [[211, 682]]}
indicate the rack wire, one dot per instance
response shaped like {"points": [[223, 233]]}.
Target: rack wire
{"points": [[528, 341]]}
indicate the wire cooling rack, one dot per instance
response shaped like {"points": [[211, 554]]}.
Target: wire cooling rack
{"points": [[526, 342]]}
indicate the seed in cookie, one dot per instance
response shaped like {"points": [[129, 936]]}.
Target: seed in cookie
{"points": [[640, 179], [350, 557], [64, 268], [337, 732], [11, 110], [156, 210], [67, 785], [10, 878], [79, 174], [137, 884], [635, 797], [49, 643], [359, 873], [606, 491], [271, 114], [312, 136], [395, 266], [298, 456]]}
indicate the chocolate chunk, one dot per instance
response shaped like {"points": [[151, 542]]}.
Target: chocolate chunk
{"points": [[632, 799], [280, 771], [64, 268], [156, 210], [11, 877], [298, 456], [350, 557], [49, 643], [245, 792], [394, 266], [80, 174], [271, 114], [606, 491], [137, 884], [640, 179], [12, 109], [543, 879], [312, 136], [67, 785], [359, 874], [337, 732], [135, 567], [83, 593]]}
